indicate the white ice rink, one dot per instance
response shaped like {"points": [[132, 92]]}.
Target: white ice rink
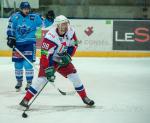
{"points": [[120, 88]]}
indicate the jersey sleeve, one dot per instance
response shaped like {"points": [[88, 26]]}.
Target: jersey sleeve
{"points": [[38, 21], [72, 49], [47, 50], [12, 26]]}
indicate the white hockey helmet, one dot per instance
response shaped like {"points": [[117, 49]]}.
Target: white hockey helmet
{"points": [[61, 19], [62, 24]]}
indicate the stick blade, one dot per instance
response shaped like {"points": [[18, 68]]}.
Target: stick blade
{"points": [[66, 93]]}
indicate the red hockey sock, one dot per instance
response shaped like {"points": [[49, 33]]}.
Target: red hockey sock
{"points": [[28, 96], [82, 93]]}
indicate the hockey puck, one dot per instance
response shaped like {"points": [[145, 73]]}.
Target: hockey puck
{"points": [[24, 115]]}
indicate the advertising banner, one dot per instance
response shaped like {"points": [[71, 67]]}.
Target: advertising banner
{"points": [[131, 35]]}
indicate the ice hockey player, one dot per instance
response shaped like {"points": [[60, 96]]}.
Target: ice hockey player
{"points": [[48, 21], [58, 46], [21, 34]]}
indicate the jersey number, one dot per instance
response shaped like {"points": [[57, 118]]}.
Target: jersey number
{"points": [[45, 46]]}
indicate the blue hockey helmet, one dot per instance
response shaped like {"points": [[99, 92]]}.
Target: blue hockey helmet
{"points": [[24, 5]]}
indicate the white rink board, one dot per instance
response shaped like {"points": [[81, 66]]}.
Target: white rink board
{"points": [[99, 40], [3, 35]]}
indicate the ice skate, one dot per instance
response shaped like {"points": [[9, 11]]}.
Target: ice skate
{"points": [[18, 86], [27, 86], [88, 101]]}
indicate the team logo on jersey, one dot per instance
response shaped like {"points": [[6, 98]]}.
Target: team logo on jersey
{"points": [[32, 17], [23, 29]]}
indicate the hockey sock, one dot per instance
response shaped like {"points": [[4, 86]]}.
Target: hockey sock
{"points": [[35, 87], [19, 74], [30, 93], [74, 78], [29, 75], [81, 91], [28, 96]]}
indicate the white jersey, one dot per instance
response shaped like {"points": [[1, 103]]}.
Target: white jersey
{"points": [[61, 43]]}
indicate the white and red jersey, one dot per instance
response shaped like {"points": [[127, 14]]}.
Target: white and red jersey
{"points": [[54, 43]]}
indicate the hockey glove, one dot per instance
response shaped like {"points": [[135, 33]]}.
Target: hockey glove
{"points": [[50, 74], [11, 42], [65, 59]]}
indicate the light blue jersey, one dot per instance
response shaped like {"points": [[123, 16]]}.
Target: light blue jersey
{"points": [[23, 28]]}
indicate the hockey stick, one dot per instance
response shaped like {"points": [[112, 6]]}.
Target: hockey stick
{"points": [[62, 92]]}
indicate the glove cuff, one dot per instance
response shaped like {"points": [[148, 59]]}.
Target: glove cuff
{"points": [[11, 37]]}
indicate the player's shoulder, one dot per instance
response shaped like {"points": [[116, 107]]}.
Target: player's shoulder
{"points": [[16, 14], [71, 28], [52, 35], [34, 14], [71, 31], [14, 17]]}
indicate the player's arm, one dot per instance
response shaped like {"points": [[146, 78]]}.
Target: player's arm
{"points": [[39, 24], [38, 20], [46, 61], [47, 51], [72, 49], [11, 26], [11, 39]]}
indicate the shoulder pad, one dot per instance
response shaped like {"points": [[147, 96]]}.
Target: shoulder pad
{"points": [[52, 35], [71, 32], [15, 16]]}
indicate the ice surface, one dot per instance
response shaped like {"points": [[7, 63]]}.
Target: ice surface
{"points": [[120, 88]]}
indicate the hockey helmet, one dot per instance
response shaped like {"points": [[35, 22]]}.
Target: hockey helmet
{"points": [[24, 5], [50, 14], [62, 24], [61, 19]]}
